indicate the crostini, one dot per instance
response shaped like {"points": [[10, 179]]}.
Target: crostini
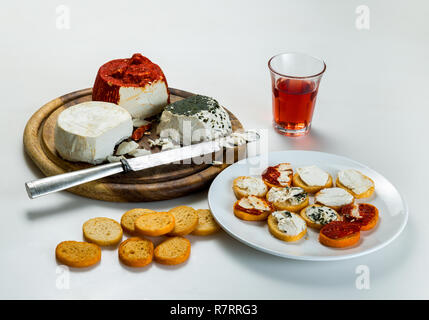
{"points": [[252, 208], [365, 215], [334, 198], [312, 179], [278, 176], [288, 198], [286, 226], [339, 234], [249, 186], [316, 216], [356, 183]]}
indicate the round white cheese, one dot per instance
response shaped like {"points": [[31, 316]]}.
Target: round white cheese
{"points": [[89, 131], [354, 180], [334, 197], [313, 176]]}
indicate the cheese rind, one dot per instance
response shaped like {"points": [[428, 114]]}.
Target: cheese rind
{"points": [[89, 131], [354, 180], [334, 197], [313, 176]]}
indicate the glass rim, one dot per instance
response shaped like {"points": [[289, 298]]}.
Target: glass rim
{"points": [[296, 77]]}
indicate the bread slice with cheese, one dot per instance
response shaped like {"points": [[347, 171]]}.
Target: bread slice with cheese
{"points": [[286, 226], [252, 208], [249, 186], [290, 199], [316, 216], [356, 183], [278, 176], [312, 179], [334, 198]]}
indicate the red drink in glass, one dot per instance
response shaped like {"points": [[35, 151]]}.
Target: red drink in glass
{"points": [[295, 82], [293, 103]]}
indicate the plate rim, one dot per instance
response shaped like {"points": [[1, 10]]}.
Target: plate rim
{"points": [[310, 258]]}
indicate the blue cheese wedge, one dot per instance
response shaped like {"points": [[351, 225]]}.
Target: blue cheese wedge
{"points": [[321, 214], [194, 119], [89, 131]]}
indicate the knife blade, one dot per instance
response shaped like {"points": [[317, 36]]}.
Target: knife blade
{"points": [[44, 186]]}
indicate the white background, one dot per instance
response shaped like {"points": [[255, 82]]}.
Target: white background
{"points": [[372, 107]]}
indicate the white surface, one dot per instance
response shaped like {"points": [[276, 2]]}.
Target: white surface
{"points": [[372, 107], [392, 219]]}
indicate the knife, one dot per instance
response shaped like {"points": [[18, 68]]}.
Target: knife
{"points": [[44, 186]]}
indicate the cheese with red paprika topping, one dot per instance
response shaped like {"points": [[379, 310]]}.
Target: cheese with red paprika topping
{"points": [[136, 84]]}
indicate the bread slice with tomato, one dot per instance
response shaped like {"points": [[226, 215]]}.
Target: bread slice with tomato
{"points": [[252, 208]]}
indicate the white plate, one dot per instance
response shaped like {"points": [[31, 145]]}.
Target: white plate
{"points": [[393, 211]]}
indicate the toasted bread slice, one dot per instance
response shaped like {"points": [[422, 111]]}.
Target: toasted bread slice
{"points": [[206, 223], [186, 219], [136, 252], [298, 182], [287, 205], [257, 187], [339, 234], [129, 218], [276, 232], [78, 254], [154, 224], [272, 174], [337, 208], [368, 193], [253, 214], [367, 215], [317, 224], [102, 231], [172, 251]]}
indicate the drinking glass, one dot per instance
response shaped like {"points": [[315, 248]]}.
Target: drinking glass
{"points": [[295, 79]]}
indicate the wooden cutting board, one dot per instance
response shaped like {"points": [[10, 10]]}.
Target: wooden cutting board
{"points": [[158, 183]]}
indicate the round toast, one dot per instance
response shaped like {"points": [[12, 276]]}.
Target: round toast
{"points": [[136, 252], [173, 251], [206, 223], [154, 224], [129, 218], [78, 254], [276, 232], [186, 220], [102, 231]]}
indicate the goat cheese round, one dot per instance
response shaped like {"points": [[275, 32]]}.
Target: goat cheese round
{"points": [[289, 223], [136, 84], [354, 180], [313, 176], [194, 119], [89, 131], [334, 197]]}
